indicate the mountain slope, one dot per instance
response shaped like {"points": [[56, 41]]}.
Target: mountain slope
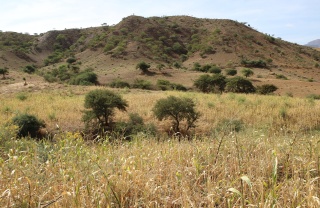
{"points": [[114, 51], [314, 43]]}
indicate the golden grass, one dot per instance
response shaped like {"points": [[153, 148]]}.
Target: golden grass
{"points": [[275, 113], [255, 170], [274, 161]]}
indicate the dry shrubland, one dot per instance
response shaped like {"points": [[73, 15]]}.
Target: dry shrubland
{"points": [[272, 160]]}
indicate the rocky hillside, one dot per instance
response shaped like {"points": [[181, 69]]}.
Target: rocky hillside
{"points": [[113, 51]]}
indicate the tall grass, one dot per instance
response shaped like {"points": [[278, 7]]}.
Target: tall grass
{"points": [[251, 169], [273, 161]]}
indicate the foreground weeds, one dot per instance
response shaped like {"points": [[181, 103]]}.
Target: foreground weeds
{"points": [[248, 169]]}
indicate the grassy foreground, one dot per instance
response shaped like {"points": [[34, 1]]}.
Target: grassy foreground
{"points": [[272, 161]]}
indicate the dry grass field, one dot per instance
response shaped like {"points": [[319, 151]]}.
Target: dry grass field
{"points": [[272, 161]]}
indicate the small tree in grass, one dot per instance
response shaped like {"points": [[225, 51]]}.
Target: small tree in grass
{"points": [[143, 66], [102, 104], [177, 110]]}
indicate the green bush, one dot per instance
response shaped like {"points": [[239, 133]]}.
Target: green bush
{"points": [[231, 72], [166, 85], [266, 89], [3, 71], [214, 83], [85, 79], [119, 84], [29, 69], [214, 69], [102, 104], [313, 96], [143, 66], [142, 84], [247, 72], [253, 63], [177, 110], [29, 125], [71, 60], [134, 126], [239, 85]]}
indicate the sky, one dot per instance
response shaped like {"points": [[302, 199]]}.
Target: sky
{"points": [[296, 21]]}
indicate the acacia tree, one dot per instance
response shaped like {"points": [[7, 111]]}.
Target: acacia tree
{"points": [[102, 104], [177, 110]]}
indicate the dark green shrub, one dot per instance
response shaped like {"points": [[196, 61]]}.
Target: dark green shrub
{"points": [[231, 72], [141, 84], [85, 79], [3, 71], [247, 72], [239, 85], [214, 83], [134, 126], [143, 66], [119, 84], [196, 66], [29, 125], [166, 85], [102, 104], [258, 64], [214, 70], [266, 89], [71, 60], [177, 110], [29, 69]]}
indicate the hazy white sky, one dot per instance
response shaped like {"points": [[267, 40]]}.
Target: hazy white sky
{"points": [[296, 21]]}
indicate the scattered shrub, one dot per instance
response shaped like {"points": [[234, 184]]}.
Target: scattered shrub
{"points": [[29, 69], [239, 85], [258, 64], [29, 125], [266, 89], [85, 78], [166, 85], [231, 72], [214, 83], [142, 84], [143, 66], [4, 71], [102, 104], [177, 110], [119, 84], [247, 72], [71, 60]]}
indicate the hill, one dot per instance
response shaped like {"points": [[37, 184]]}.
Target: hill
{"points": [[175, 42], [314, 43]]}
